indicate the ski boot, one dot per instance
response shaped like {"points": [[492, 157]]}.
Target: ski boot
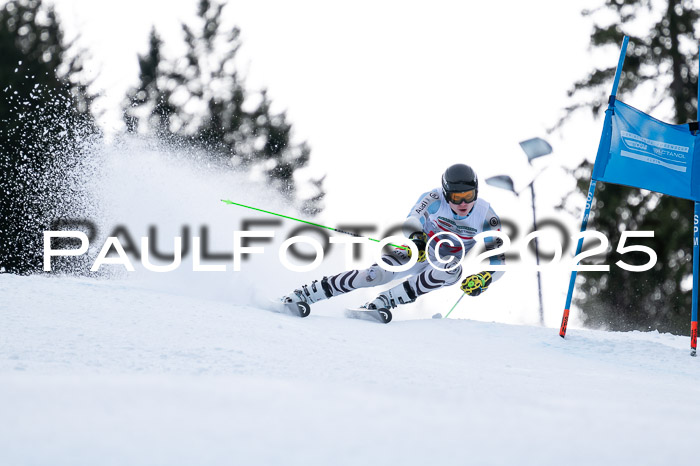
{"points": [[298, 302], [380, 308], [370, 311]]}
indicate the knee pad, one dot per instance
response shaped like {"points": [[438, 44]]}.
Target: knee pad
{"points": [[353, 279], [374, 275]]}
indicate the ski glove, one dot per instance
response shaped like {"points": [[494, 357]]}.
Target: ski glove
{"points": [[475, 284], [420, 239]]}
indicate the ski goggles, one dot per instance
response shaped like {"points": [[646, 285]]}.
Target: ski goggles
{"points": [[458, 198]]}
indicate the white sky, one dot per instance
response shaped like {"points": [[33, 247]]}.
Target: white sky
{"points": [[388, 94]]}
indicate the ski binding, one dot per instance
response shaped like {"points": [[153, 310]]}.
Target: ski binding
{"points": [[294, 308], [374, 315]]}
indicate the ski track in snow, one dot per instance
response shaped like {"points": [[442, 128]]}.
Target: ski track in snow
{"points": [[107, 372]]}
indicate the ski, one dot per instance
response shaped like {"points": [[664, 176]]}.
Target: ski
{"points": [[382, 316], [297, 309]]}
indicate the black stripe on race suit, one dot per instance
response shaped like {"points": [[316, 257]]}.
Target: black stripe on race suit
{"points": [[422, 280], [340, 281], [349, 277], [334, 282], [351, 282], [391, 260]]}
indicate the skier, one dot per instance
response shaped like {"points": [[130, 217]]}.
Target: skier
{"points": [[457, 209]]}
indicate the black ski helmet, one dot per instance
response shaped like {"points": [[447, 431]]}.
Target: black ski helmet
{"points": [[459, 178]]}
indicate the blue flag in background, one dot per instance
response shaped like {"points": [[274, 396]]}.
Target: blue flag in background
{"points": [[638, 150]]}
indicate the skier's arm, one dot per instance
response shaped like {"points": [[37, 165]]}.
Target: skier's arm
{"points": [[415, 222], [414, 225], [493, 223], [476, 284]]}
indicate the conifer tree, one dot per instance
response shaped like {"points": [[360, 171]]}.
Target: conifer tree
{"points": [[44, 118], [202, 100], [150, 92]]}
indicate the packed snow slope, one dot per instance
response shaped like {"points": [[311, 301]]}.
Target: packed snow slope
{"points": [[112, 373]]}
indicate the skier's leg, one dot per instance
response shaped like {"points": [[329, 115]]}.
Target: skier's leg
{"points": [[431, 279], [345, 282], [426, 280]]}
